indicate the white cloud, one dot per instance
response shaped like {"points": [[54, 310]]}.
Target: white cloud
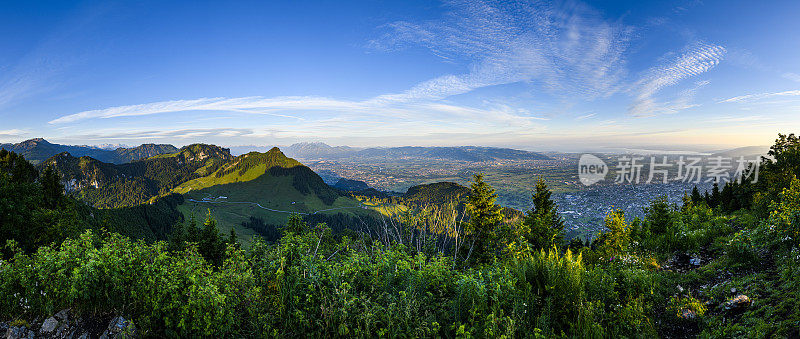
{"points": [[254, 105], [313, 117], [569, 49], [698, 59], [761, 96], [13, 132], [195, 133]]}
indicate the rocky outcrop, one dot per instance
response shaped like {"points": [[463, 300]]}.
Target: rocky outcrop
{"points": [[64, 324]]}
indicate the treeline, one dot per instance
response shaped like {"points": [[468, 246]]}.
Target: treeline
{"points": [[340, 224], [34, 210]]}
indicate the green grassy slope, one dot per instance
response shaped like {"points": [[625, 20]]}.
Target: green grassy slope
{"points": [[270, 197], [244, 168]]}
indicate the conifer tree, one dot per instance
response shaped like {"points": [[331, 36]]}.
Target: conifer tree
{"points": [[484, 217], [211, 245], [545, 224], [192, 231], [232, 238], [687, 202], [295, 224], [659, 218], [696, 197], [52, 190], [715, 196], [177, 237], [618, 235]]}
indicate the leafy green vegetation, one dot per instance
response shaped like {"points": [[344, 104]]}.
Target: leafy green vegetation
{"points": [[702, 268]]}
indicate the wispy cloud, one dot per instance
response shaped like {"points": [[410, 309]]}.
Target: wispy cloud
{"points": [[569, 49], [12, 132], [315, 117], [761, 96], [254, 105], [791, 76], [27, 78], [698, 59], [194, 133]]}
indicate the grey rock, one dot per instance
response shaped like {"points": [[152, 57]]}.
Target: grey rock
{"points": [[49, 325], [18, 332], [63, 315]]}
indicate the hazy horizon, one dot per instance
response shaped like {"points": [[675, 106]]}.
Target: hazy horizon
{"points": [[655, 149]]}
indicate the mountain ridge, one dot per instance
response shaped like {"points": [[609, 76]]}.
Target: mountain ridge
{"points": [[107, 185], [193, 167], [319, 150], [37, 150]]}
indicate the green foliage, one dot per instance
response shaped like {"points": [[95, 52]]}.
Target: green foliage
{"points": [[52, 190], [740, 249], [33, 212], [435, 193], [685, 309], [784, 219], [210, 243], [618, 236], [544, 226], [295, 224], [776, 172], [484, 217], [309, 285], [16, 167], [415, 276]]}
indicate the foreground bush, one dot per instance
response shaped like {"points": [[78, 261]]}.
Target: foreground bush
{"points": [[306, 286]]}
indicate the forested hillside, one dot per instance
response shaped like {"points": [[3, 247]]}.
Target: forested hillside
{"points": [[108, 185], [707, 267]]}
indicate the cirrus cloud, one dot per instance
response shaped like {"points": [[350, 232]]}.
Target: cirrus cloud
{"points": [[697, 59]]}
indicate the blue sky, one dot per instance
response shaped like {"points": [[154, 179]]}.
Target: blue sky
{"points": [[532, 75]]}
